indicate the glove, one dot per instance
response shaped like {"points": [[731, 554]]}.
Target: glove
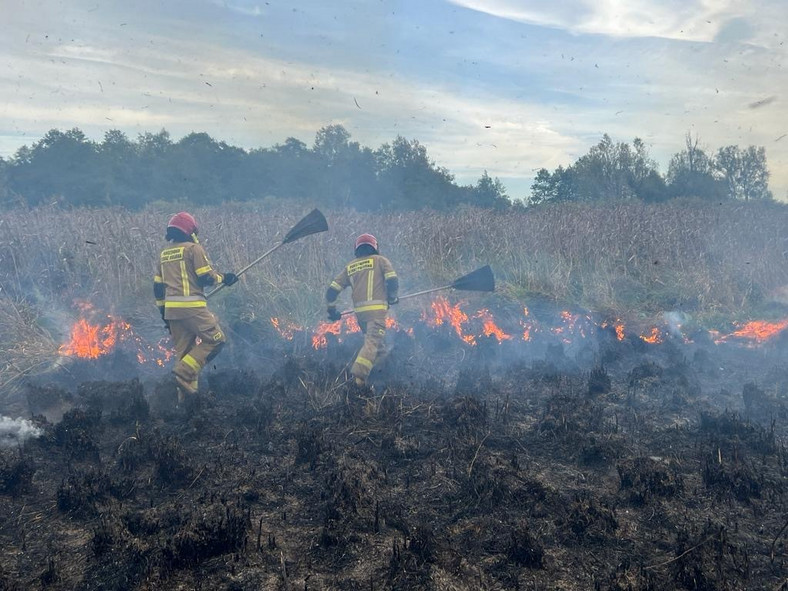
{"points": [[230, 279], [334, 315], [393, 300]]}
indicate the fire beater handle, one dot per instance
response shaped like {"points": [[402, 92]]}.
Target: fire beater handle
{"points": [[312, 223], [426, 291], [247, 267], [481, 279], [410, 295]]}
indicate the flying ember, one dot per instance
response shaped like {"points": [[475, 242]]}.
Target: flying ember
{"points": [[286, 328]]}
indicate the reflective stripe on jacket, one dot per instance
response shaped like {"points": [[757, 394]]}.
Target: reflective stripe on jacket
{"points": [[367, 275], [181, 267]]}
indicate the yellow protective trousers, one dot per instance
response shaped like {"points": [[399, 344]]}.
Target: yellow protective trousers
{"points": [[373, 325], [192, 356]]}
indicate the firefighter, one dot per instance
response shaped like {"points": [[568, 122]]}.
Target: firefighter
{"points": [[374, 288], [184, 271]]}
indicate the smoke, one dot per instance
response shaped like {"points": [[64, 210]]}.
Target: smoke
{"points": [[674, 321], [16, 431]]}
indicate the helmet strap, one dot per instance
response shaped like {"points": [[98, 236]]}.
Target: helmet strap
{"points": [[194, 238]]}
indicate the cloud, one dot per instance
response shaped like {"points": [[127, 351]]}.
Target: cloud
{"points": [[688, 20], [252, 10], [254, 100], [479, 93]]}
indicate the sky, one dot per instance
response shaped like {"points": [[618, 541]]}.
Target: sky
{"points": [[506, 86]]}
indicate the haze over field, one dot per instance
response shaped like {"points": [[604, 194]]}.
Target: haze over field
{"points": [[497, 85]]}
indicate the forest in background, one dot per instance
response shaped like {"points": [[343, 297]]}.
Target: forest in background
{"points": [[68, 169]]}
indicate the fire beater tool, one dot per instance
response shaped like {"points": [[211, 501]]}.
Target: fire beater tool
{"points": [[481, 279], [313, 223]]}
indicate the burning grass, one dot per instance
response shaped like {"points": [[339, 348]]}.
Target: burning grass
{"points": [[549, 446], [622, 257], [592, 268]]}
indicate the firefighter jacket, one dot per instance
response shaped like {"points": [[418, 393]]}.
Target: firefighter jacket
{"points": [[184, 270], [373, 281]]}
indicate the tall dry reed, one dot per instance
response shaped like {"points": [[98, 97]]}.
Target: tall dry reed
{"points": [[705, 259]]}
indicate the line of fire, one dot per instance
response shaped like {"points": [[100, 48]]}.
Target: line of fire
{"points": [[95, 334]]}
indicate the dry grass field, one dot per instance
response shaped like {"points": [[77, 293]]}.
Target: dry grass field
{"points": [[716, 263]]}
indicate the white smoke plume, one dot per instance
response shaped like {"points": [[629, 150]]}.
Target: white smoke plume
{"points": [[16, 431]]}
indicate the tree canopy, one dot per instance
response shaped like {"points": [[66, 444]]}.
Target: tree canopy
{"points": [[66, 167], [619, 172]]}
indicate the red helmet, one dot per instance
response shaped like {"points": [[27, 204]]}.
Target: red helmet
{"points": [[367, 239], [184, 222]]}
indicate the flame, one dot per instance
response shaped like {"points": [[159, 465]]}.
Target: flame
{"points": [[91, 341], [654, 337], [158, 353], [288, 330], [95, 335], [444, 313], [392, 324], [618, 326], [526, 324], [573, 324], [490, 328], [347, 325], [757, 331]]}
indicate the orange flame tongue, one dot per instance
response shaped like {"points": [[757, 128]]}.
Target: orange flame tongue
{"points": [[444, 313], [617, 325], [286, 328], [95, 335], [347, 325], [91, 341], [757, 331], [527, 325], [490, 328], [654, 337]]}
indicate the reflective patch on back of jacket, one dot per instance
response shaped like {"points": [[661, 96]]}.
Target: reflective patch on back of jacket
{"points": [[358, 266], [172, 254]]}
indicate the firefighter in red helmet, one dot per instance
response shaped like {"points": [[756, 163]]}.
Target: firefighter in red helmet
{"points": [[374, 286], [183, 272]]}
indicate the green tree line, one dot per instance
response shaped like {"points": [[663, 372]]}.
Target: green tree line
{"points": [[620, 171], [67, 167]]}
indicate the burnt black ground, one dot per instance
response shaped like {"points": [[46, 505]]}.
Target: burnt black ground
{"points": [[607, 466]]}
